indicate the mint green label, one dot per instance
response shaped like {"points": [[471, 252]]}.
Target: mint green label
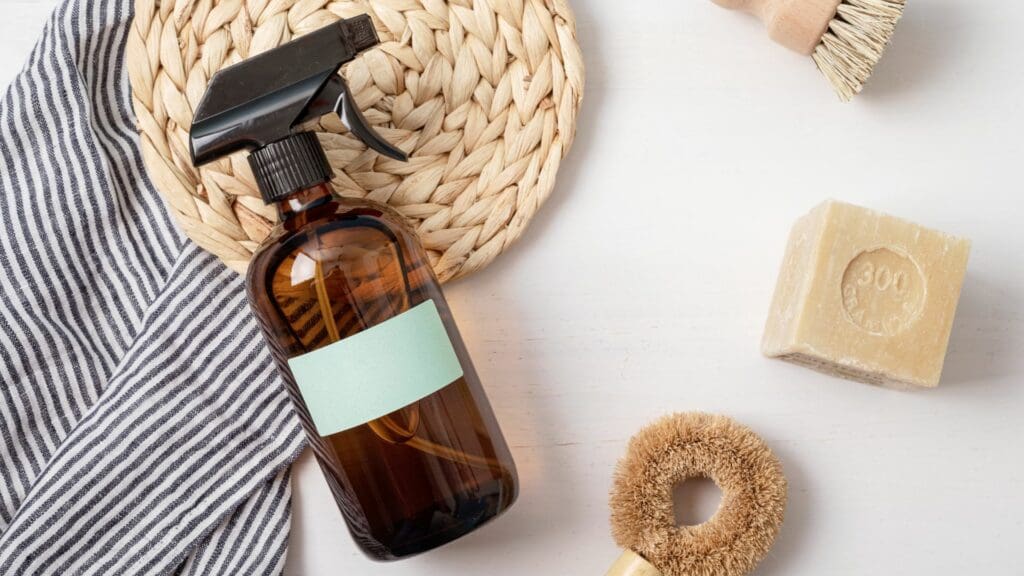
{"points": [[377, 371]]}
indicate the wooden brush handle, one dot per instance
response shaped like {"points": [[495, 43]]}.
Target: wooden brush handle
{"points": [[796, 24], [631, 564]]}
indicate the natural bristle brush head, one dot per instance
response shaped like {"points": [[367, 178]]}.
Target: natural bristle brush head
{"points": [[855, 41], [680, 447], [846, 38]]}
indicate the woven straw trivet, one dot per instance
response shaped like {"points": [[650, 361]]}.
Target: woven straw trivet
{"points": [[484, 93]]}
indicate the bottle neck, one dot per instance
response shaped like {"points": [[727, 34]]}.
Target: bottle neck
{"points": [[292, 165], [296, 208]]}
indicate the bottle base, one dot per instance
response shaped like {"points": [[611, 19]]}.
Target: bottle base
{"points": [[432, 529]]}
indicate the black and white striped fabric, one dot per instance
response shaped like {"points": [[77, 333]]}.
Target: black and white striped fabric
{"points": [[143, 429]]}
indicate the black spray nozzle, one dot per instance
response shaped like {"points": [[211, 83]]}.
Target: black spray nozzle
{"points": [[260, 100]]}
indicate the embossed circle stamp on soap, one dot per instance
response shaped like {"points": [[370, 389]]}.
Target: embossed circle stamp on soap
{"points": [[883, 291]]}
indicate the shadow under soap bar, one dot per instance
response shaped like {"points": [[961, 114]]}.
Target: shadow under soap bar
{"points": [[866, 296]]}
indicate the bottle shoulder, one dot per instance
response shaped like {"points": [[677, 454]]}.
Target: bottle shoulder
{"points": [[324, 233], [353, 213]]}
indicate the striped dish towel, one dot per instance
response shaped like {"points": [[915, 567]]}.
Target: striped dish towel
{"points": [[143, 428]]}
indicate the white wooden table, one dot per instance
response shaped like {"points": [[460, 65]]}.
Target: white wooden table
{"points": [[643, 286]]}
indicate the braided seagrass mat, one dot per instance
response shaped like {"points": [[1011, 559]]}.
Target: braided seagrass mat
{"points": [[483, 93]]}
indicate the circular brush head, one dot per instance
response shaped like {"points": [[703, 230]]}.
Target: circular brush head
{"points": [[693, 445]]}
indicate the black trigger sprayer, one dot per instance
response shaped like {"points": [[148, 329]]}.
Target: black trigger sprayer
{"points": [[256, 104]]}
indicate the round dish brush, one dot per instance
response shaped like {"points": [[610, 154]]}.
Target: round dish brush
{"points": [[694, 445], [846, 38]]}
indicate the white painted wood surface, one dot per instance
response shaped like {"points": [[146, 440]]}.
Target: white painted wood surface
{"points": [[643, 286]]}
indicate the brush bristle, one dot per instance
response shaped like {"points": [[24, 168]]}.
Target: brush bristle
{"points": [[855, 41], [679, 447]]}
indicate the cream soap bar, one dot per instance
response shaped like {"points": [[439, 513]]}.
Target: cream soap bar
{"points": [[866, 296]]}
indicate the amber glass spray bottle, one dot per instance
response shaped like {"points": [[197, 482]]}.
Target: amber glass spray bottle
{"points": [[353, 313]]}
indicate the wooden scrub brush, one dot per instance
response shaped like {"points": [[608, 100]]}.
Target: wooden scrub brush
{"points": [[846, 38], [693, 445]]}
